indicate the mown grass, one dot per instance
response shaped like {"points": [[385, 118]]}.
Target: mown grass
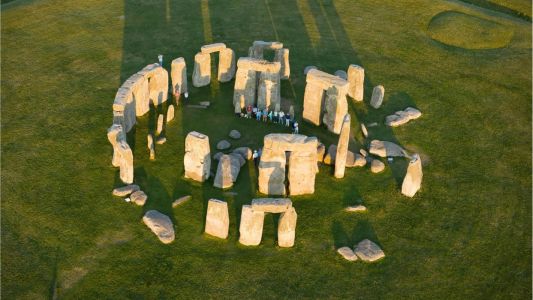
{"points": [[467, 233]]}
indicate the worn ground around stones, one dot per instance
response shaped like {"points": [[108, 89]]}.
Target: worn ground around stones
{"points": [[466, 234]]}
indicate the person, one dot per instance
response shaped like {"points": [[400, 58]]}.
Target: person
{"points": [[255, 156], [249, 111], [186, 95], [275, 117], [254, 112], [270, 116], [265, 114], [160, 58], [281, 117], [287, 120], [295, 127], [258, 114]]}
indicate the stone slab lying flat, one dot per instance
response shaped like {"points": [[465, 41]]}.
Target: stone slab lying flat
{"points": [[160, 224], [125, 190], [368, 251], [347, 253]]}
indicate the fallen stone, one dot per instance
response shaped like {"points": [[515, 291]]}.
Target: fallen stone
{"points": [[217, 218], [377, 166], [139, 198], [151, 147], [161, 140], [125, 190], [368, 251], [251, 227], [223, 145], [181, 200], [355, 160], [160, 224], [403, 116], [363, 152], [384, 149], [309, 68], [245, 152], [364, 130], [329, 159], [196, 106], [205, 103], [355, 208], [342, 74], [234, 134], [271, 205], [373, 124], [239, 158], [230, 194], [377, 96], [413, 178], [347, 253]]}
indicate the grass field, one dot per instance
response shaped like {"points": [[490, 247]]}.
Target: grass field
{"points": [[465, 235]]}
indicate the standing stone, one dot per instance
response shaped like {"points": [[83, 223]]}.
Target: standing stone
{"points": [[342, 74], [150, 145], [287, 228], [126, 162], [313, 103], [160, 120], [251, 227], [335, 109], [197, 160], [377, 96], [237, 109], [141, 94], [124, 102], [114, 135], [368, 251], [227, 171], [157, 84], [178, 74], [226, 65], [342, 148], [277, 108], [217, 218], [291, 111], [282, 56], [170, 113], [245, 86], [413, 178], [356, 78], [268, 95], [201, 75], [160, 224], [302, 171]]}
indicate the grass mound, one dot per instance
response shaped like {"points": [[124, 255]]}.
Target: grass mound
{"points": [[467, 31]]}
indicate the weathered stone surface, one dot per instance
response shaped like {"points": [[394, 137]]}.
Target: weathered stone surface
{"points": [[125, 190], [197, 160], [160, 224], [377, 166], [115, 133], [354, 160], [217, 218], [138, 86], [226, 65], [271, 205], [287, 228], [355, 208], [150, 145], [363, 152], [329, 159], [201, 75], [342, 148], [258, 65], [291, 110], [161, 140], [138, 197], [384, 149], [178, 74], [364, 130], [207, 49], [157, 78], [282, 56], [181, 200], [235, 134], [320, 151], [377, 96], [160, 122], [313, 103], [342, 74], [217, 155], [309, 68], [403, 116], [125, 156], [245, 152], [124, 103], [245, 86], [251, 227], [273, 161], [257, 49], [238, 158], [413, 178], [336, 107], [170, 113], [268, 95], [368, 251], [223, 145], [356, 78], [347, 253], [227, 171]]}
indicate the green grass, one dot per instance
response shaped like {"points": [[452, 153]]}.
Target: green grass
{"points": [[469, 32], [466, 234]]}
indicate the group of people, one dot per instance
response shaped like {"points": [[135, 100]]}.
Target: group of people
{"points": [[266, 115]]}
